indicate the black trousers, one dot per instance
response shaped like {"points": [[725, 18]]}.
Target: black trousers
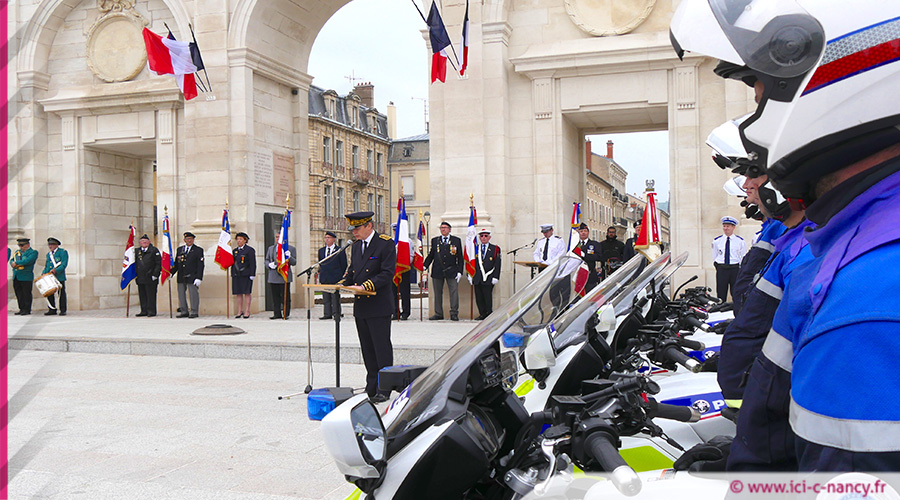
{"points": [[484, 299], [331, 303], [404, 290], [23, 295], [377, 351], [63, 302], [278, 298], [726, 277], [147, 295]]}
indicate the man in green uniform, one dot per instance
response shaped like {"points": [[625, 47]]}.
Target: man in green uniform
{"points": [[57, 260], [22, 263]]}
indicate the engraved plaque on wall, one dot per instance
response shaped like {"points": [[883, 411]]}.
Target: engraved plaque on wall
{"points": [[263, 175], [283, 180]]}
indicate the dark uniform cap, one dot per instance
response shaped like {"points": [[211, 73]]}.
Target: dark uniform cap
{"points": [[242, 235], [23, 240], [189, 234], [53, 241], [330, 233], [144, 237], [359, 218], [636, 223], [583, 226], [445, 223]]}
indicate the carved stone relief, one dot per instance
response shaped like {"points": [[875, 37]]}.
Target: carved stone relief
{"points": [[115, 45], [608, 17]]}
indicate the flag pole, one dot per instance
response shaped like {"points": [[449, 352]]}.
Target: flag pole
{"points": [[128, 292], [421, 313], [287, 284], [227, 273], [472, 286], [209, 85], [170, 297]]}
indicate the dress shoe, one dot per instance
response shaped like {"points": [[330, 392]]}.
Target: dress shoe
{"points": [[479, 318], [454, 318], [325, 317], [138, 315], [436, 317], [379, 398], [275, 317], [404, 318], [182, 315], [194, 316], [26, 313], [239, 316], [19, 313], [148, 315], [50, 313], [395, 317], [62, 313]]}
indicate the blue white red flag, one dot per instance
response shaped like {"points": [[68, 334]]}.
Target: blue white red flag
{"points": [[419, 258], [440, 40], [224, 257], [573, 232], [464, 43], [168, 262], [401, 241], [282, 246], [129, 268], [470, 254]]}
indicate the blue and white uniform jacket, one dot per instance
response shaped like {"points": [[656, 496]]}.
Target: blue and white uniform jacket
{"points": [[754, 261]]}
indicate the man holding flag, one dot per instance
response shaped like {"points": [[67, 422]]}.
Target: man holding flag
{"points": [[168, 262], [487, 273], [279, 259], [446, 254], [405, 257], [189, 265], [148, 266], [129, 268]]}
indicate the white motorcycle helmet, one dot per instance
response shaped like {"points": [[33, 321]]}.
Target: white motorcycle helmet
{"points": [[829, 69], [728, 153]]}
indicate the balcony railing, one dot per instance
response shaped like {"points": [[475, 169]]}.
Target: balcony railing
{"points": [[380, 180], [360, 176], [326, 167]]}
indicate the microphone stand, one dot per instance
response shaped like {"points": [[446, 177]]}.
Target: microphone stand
{"points": [[513, 252], [337, 329]]}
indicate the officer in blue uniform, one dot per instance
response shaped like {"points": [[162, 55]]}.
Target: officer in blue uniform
{"points": [[331, 272], [829, 141], [373, 259]]}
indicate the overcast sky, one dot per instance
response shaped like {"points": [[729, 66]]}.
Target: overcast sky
{"points": [[380, 41]]}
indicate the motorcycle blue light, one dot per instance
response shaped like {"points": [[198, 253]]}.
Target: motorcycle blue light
{"points": [[319, 402], [513, 340]]}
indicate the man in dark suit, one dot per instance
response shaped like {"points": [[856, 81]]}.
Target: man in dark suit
{"points": [[281, 296], [590, 254], [189, 267], [447, 255], [373, 259], [403, 292], [148, 264], [243, 272], [612, 251], [487, 273], [330, 273]]}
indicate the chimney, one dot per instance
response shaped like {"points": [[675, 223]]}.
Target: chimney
{"points": [[392, 120], [587, 154], [609, 149], [366, 93]]}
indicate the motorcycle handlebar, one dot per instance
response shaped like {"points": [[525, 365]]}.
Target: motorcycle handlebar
{"points": [[696, 323], [691, 344], [675, 354], [673, 412], [601, 448]]}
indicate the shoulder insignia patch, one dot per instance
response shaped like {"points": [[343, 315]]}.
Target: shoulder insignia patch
{"points": [[385, 237]]}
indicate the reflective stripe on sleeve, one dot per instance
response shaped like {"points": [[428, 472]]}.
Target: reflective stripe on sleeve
{"points": [[779, 350], [765, 245], [769, 289], [847, 434]]}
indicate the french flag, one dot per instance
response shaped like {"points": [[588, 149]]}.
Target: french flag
{"points": [[167, 261], [401, 241], [167, 56], [419, 259], [224, 257], [581, 277], [471, 251], [440, 40], [284, 265], [464, 43], [129, 267], [574, 238]]}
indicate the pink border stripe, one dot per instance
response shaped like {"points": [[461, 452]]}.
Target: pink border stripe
{"points": [[4, 217]]}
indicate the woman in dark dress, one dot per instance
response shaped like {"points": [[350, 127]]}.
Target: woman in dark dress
{"points": [[242, 274]]}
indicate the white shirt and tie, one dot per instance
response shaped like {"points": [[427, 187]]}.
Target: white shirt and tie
{"points": [[728, 250], [547, 250]]}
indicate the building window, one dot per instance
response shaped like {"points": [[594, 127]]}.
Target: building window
{"points": [[379, 164], [371, 203], [355, 156], [408, 186], [326, 149], [326, 198], [339, 153], [356, 201], [407, 151], [370, 161], [380, 208], [339, 205]]}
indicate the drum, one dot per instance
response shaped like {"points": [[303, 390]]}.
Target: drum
{"points": [[47, 284]]}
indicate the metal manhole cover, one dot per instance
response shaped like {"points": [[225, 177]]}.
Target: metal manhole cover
{"points": [[218, 329]]}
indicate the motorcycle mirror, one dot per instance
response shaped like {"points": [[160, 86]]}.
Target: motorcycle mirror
{"points": [[354, 435], [539, 352]]}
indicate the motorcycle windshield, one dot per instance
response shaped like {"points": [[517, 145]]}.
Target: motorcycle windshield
{"points": [[666, 274], [533, 306], [623, 302], [571, 325]]}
